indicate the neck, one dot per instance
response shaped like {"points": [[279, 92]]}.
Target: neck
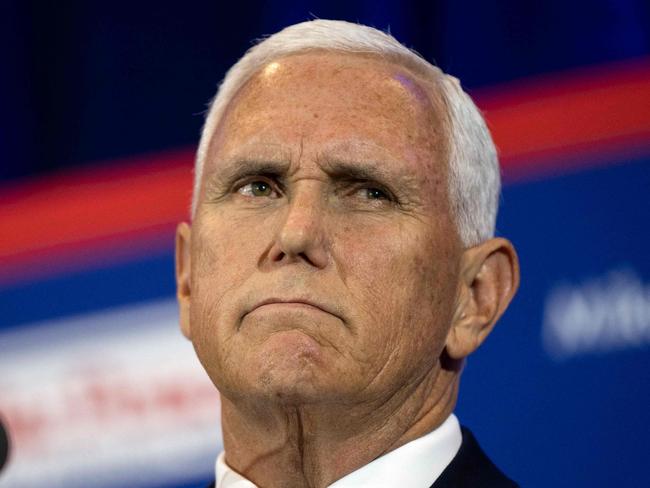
{"points": [[311, 446]]}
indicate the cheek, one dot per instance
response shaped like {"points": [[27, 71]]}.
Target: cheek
{"points": [[226, 247], [403, 283], [222, 259]]}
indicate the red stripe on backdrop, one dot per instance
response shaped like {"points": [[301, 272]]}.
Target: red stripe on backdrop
{"points": [[77, 219], [549, 125], [561, 123]]}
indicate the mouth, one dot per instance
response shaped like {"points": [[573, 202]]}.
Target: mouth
{"points": [[295, 303]]}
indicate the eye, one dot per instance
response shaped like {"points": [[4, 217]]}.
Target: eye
{"points": [[375, 194], [258, 188]]}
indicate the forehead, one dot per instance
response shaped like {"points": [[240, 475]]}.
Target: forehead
{"points": [[331, 99]]}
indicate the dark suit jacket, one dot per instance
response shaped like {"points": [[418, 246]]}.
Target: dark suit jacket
{"points": [[470, 468]]}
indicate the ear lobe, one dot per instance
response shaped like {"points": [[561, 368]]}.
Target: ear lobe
{"points": [[489, 280], [183, 276]]}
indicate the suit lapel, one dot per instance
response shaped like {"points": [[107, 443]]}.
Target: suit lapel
{"points": [[471, 468]]}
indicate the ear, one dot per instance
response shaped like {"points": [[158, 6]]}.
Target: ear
{"points": [[489, 278], [183, 275]]}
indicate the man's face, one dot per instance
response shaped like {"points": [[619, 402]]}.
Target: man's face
{"points": [[324, 260]]}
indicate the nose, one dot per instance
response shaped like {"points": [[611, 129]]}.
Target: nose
{"points": [[301, 233]]}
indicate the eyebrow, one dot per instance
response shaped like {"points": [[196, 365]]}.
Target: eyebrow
{"points": [[238, 169], [339, 169]]}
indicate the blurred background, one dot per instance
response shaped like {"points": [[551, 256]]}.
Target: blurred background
{"points": [[101, 105]]}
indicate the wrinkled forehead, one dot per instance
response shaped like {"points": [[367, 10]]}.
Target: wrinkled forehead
{"points": [[403, 105]]}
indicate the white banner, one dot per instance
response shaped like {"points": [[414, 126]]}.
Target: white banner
{"points": [[109, 399]]}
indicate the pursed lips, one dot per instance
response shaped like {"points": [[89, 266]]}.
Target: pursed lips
{"points": [[294, 301]]}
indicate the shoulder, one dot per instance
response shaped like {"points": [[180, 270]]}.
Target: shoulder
{"points": [[472, 468]]}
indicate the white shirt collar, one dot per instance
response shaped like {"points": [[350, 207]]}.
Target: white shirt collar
{"points": [[226, 477], [417, 463]]}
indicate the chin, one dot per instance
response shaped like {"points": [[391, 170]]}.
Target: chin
{"points": [[287, 367], [290, 393], [291, 368]]}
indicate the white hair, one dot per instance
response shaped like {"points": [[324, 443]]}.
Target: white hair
{"points": [[473, 172]]}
